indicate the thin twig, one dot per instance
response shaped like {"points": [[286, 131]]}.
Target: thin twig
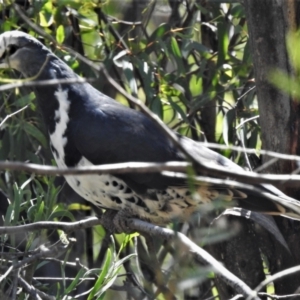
{"points": [[12, 114], [42, 253], [252, 151], [33, 292], [76, 264], [280, 297], [276, 276], [48, 82], [118, 21], [6, 273], [64, 226], [199, 253]]}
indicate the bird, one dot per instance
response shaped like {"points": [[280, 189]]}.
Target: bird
{"points": [[87, 128]]}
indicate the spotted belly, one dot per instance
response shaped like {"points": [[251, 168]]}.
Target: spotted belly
{"points": [[107, 191]]}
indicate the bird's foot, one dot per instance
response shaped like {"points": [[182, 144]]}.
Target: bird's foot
{"points": [[116, 221]]}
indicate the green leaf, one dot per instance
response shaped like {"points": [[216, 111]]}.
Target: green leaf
{"points": [[175, 48], [223, 42], [159, 32], [247, 53], [102, 275], [156, 107], [60, 34], [9, 215], [178, 109], [73, 284], [285, 83], [227, 126], [39, 216], [61, 214], [293, 44], [128, 72], [35, 132], [116, 268], [43, 19], [189, 45], [121, 261], [127, 239], [25, 100], [145, 71]]}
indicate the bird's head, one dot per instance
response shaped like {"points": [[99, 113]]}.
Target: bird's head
{"points": [[22, 52]]}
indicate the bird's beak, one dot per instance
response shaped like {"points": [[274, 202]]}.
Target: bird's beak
{"points": [[3, 61], [3, 64]]}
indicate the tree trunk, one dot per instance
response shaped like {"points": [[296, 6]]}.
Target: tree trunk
{"points": [[268, 23]]}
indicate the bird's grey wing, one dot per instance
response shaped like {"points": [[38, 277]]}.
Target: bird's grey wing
{"points": [[117, 134]]}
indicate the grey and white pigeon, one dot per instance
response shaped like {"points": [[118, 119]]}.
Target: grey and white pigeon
{"points": [[86, 128]]}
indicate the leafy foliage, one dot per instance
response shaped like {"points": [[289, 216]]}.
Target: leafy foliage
{"points": [[190, 64]]}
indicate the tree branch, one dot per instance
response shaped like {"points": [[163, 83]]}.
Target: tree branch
{"points": [[140, 167], [33, 292], [64, 226], [199, 253]]}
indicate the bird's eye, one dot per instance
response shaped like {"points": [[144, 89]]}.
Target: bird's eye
{"points": [[12, 49]]}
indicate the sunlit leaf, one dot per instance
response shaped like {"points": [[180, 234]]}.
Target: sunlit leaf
{"points": [[285, 83], [102, 275], [228, 126], [293, 44], [60, 34]]}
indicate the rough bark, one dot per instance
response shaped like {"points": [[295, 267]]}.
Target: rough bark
{"points": [[268, 22], [240, 256], [267, 31]]}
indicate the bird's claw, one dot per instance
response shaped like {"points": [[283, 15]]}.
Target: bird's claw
{"points": [[116, 221]]}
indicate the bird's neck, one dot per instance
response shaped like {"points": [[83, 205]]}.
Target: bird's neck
{"points": [[51, 97]]}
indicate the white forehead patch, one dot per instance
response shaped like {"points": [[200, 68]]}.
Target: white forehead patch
{"points": [[14, 37]]}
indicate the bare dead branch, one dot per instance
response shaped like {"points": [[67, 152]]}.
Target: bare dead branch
{"points": [[120, 168], [34, 83], [199, 253], [276, 276], [33, 292], [12, 114], [64, 278], [118, 21], [64, 226], [77, 264], [6, 273], [280, 297], [166, 168], [42, 253], [252, 151]]}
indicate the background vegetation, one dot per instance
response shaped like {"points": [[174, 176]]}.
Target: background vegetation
{"points": [[190, 63]]}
